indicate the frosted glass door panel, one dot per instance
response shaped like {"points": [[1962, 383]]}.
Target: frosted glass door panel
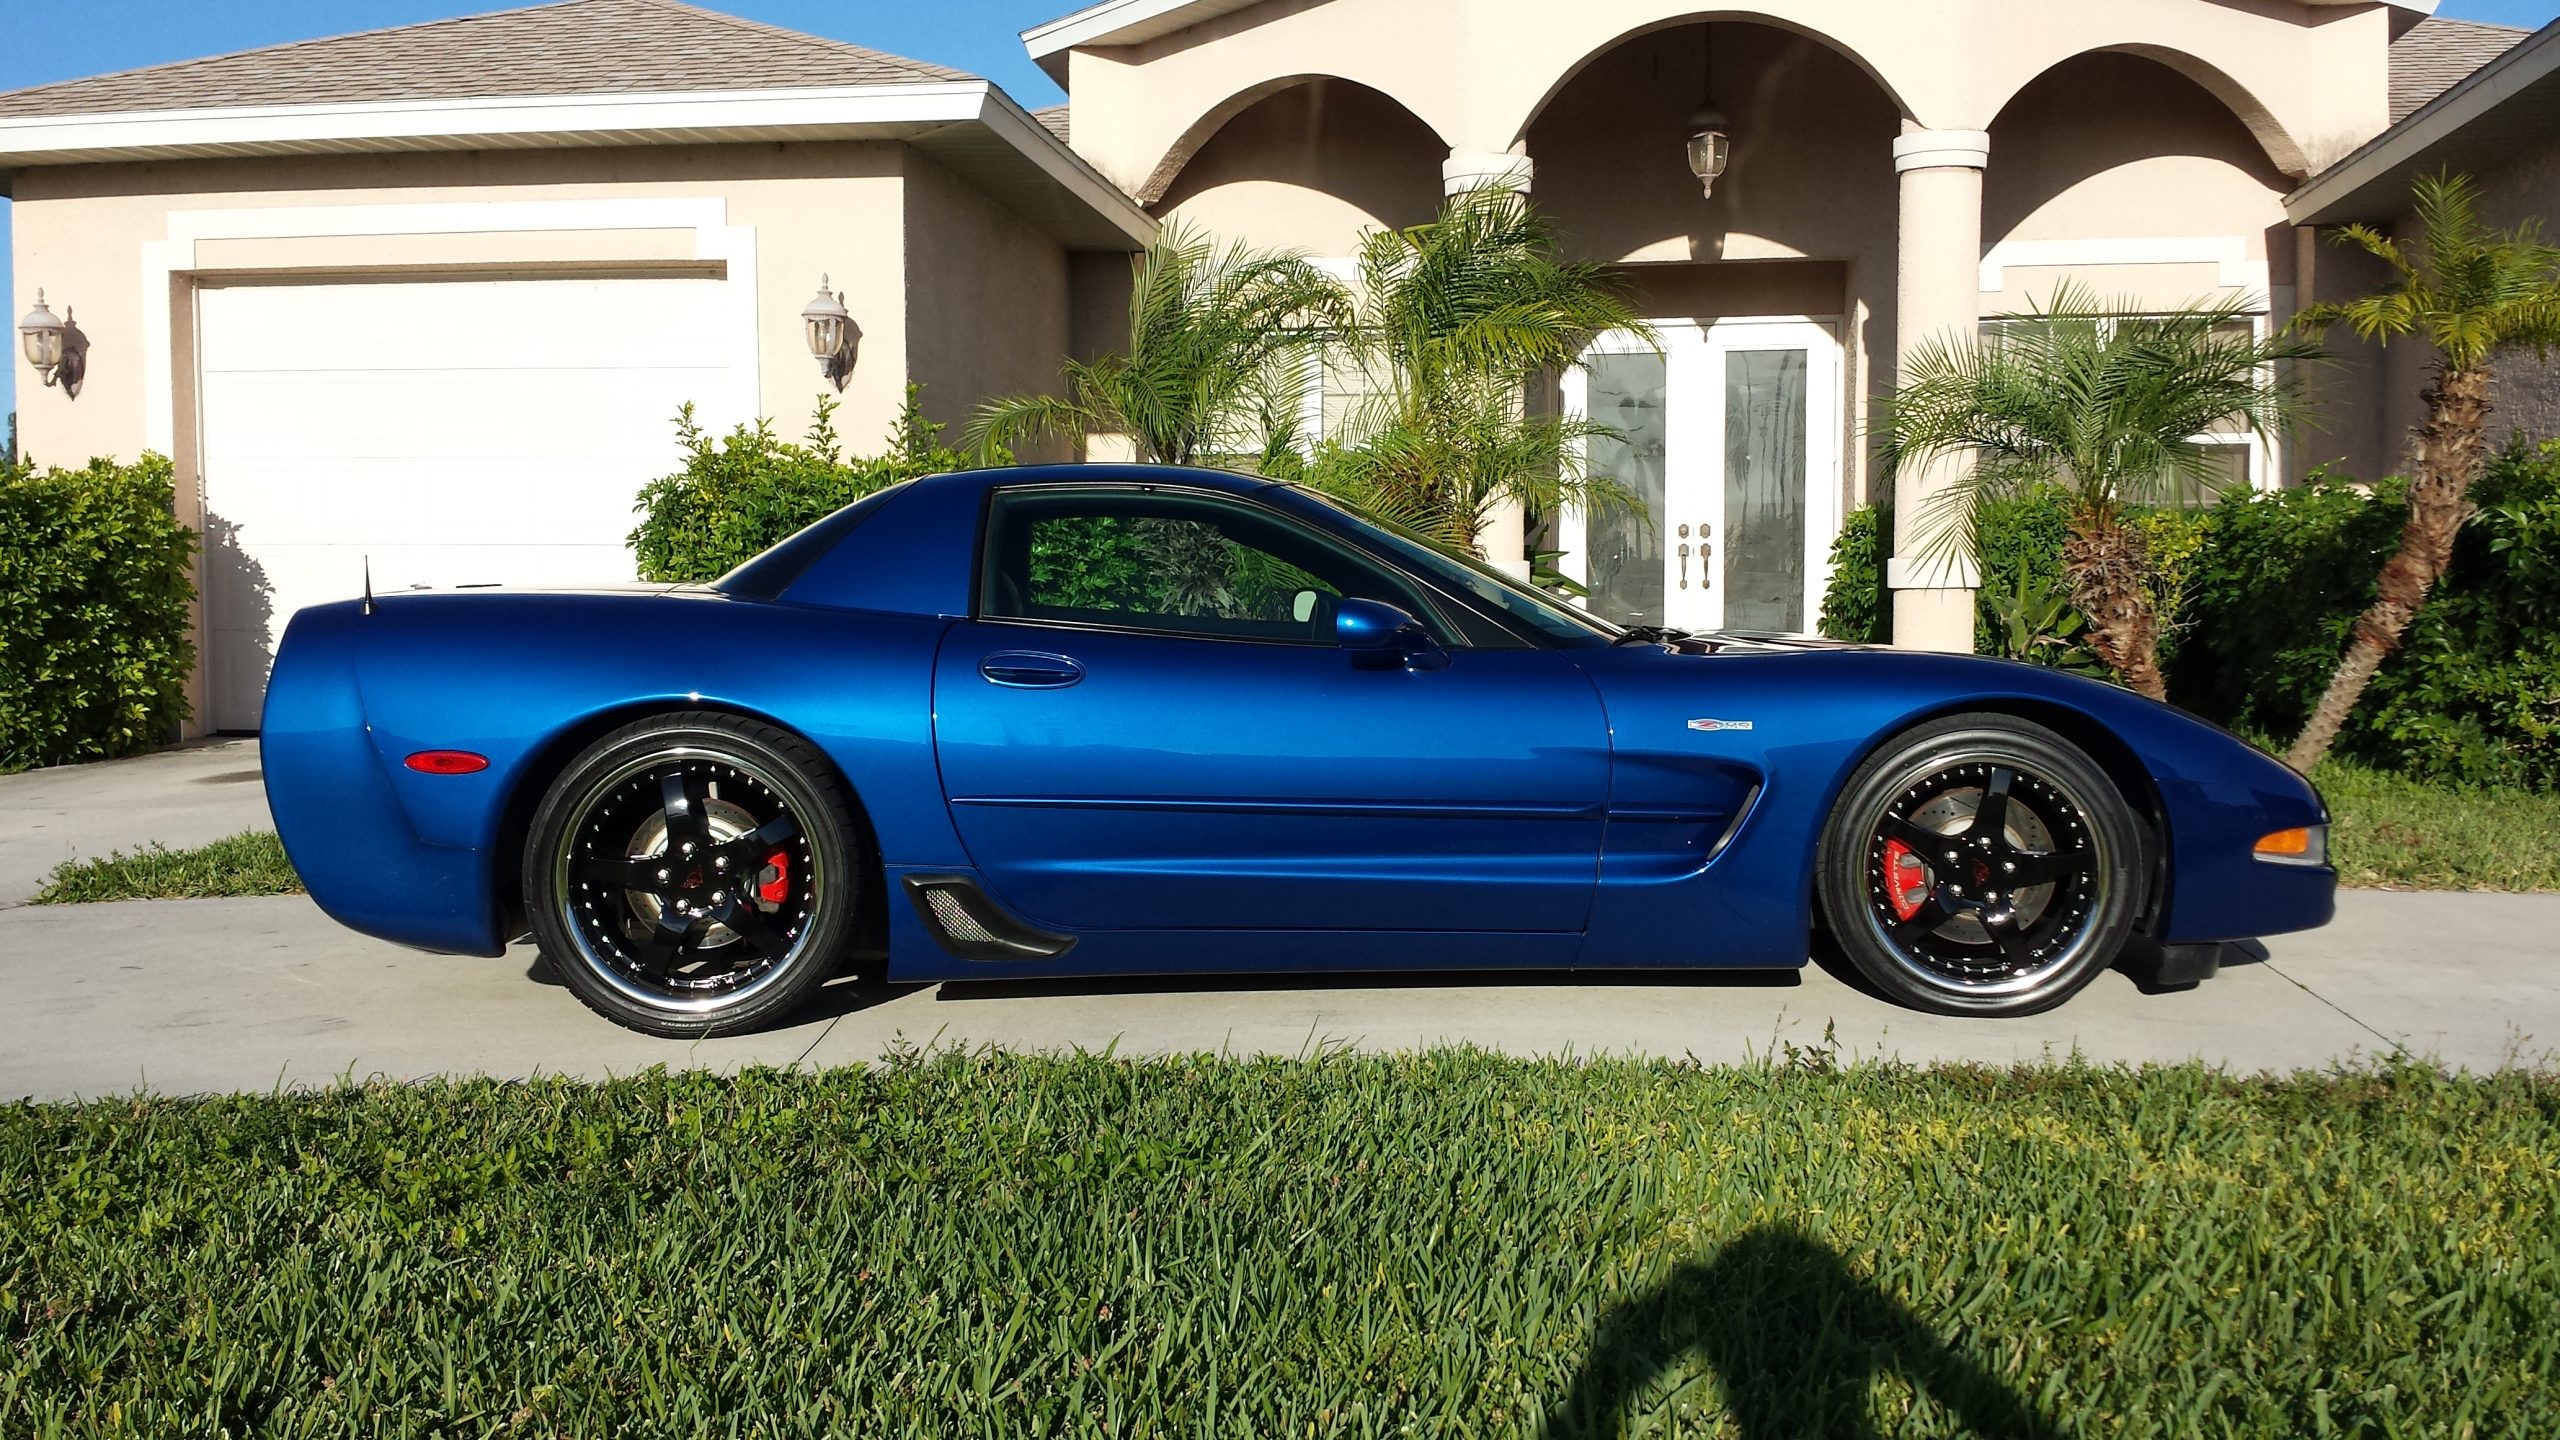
{"points": [[1764, 490], [1624, 545]]}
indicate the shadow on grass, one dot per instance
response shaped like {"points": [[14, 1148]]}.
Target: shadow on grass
{"points": [[1796, 1341]]}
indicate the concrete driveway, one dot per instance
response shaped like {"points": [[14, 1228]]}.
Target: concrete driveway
{"points": [[185, 797], [207, 995]]}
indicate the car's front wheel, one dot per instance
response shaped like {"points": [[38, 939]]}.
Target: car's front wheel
{"points": [[1981, 865], [693, 873]]}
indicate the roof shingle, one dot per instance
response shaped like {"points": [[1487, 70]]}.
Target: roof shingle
{"points": [[572, 47], [2437, 54]]}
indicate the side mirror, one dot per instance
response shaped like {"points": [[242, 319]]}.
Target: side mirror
{"points": [[1382, 637]]}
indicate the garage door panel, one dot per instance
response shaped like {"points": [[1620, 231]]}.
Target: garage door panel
{"points": [[408, 327], [441, 462], [519, 413]]}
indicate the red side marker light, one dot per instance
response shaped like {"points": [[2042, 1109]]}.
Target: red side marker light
{"points": [[447, 762]]}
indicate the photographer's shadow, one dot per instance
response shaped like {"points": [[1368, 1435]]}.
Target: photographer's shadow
{"points": [[1796, 1340]]}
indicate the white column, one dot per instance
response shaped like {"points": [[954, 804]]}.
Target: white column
{"points": [[1505, 537], [1467, 170], [1938, 296]]}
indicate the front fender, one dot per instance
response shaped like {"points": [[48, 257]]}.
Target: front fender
{"points": [[1797, 723]]}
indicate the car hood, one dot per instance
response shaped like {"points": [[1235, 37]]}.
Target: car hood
{"points": [[1754, 642]]}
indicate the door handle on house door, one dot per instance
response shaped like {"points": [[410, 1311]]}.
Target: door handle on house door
{"points": [[1706, 573], [1684, 557]]}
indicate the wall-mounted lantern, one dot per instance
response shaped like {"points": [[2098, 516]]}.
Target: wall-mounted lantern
{"points": [[831, 333], [1710, 148], [53, 346]]}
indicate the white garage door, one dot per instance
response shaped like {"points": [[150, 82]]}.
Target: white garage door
{"points": [[451, 433]]}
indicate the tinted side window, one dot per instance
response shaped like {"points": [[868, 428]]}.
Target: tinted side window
{"points": [[1183, 563]]}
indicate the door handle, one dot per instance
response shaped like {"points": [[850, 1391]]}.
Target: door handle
{"points": [[1030, 670]]}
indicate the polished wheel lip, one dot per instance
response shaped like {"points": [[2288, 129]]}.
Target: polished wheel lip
{"points": [[1914, 782], [604, 968]]}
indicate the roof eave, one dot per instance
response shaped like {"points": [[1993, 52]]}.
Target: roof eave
{"points": [[970, 126], [1117, 22], [1132, 22], [2455, 130]]}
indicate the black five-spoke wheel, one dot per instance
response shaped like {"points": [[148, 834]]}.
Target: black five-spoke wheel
{"points": [[690, 873], [1980, 865]]}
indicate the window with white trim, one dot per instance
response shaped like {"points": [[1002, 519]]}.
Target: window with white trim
{"points": [[2236, 454]]}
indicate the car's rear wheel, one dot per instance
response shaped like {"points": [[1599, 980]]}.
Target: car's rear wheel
{"points": [[1981, 865], [694, 873]]}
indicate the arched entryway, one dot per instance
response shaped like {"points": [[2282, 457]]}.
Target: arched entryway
{"points": [[1738, 430], [1308, 166]]}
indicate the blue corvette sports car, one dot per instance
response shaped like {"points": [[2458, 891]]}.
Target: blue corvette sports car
{"points": [[1111, 720]]}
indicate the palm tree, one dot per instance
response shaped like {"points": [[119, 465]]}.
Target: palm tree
{"points": [[2474, 294], [1453, 318], [2107, 403], [1216, 365]]}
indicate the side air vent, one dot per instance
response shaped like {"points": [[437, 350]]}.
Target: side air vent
{"points": [[973, 927]]}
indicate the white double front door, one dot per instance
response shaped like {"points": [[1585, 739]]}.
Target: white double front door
{"points": [[1728, 440]]}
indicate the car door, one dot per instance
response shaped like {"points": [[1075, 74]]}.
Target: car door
{"points": [[1147, 726]]}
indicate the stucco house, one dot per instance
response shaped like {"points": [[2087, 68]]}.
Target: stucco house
{"points": [[429, 295]]}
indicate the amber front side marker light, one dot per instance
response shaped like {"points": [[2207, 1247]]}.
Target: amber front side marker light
{"points": [[2302, 845]]}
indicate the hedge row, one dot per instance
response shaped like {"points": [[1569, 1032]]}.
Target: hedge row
{"points": [[95, 637], [2264, 587]]}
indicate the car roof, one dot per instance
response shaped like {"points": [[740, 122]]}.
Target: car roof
{"points": [[1197, 476]]}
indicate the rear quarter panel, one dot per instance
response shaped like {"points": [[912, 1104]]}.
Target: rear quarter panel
{"points": [[529, 679]]}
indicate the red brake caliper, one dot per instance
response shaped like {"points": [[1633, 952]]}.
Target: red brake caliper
{"points": [[1906, 880], [775, 885]]}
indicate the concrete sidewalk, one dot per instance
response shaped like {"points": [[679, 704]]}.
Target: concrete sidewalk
{"points": [[210, 995], [189, 796]]}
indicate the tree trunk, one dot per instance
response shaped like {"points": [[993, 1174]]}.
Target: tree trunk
{"points": [[2452, 446], [2107, 565]]}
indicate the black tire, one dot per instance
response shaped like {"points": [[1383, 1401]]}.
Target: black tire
{"points": [[730, 935], [1940, 909]]}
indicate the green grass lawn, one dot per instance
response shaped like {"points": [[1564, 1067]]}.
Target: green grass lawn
{"points": [[249, 863], [1447, 1244], [2399, 832]]}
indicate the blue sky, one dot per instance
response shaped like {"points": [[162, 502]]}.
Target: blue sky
{"points": [[41, 42]]}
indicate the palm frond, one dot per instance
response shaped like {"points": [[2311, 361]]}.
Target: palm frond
{"points": [[2472, 292], [2101, 399]]}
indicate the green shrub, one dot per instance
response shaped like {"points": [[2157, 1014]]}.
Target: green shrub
{"points": [[96, 640], [2017, 543], [739, 495], [2473, 695], [1855, 606], [2271, 597], [2011, 535], [2257, 594]]}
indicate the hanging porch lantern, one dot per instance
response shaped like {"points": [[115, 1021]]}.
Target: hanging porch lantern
{"points": [[1710, 148]]}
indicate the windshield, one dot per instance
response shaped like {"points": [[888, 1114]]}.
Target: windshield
{"points": [[1471, 576]]}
